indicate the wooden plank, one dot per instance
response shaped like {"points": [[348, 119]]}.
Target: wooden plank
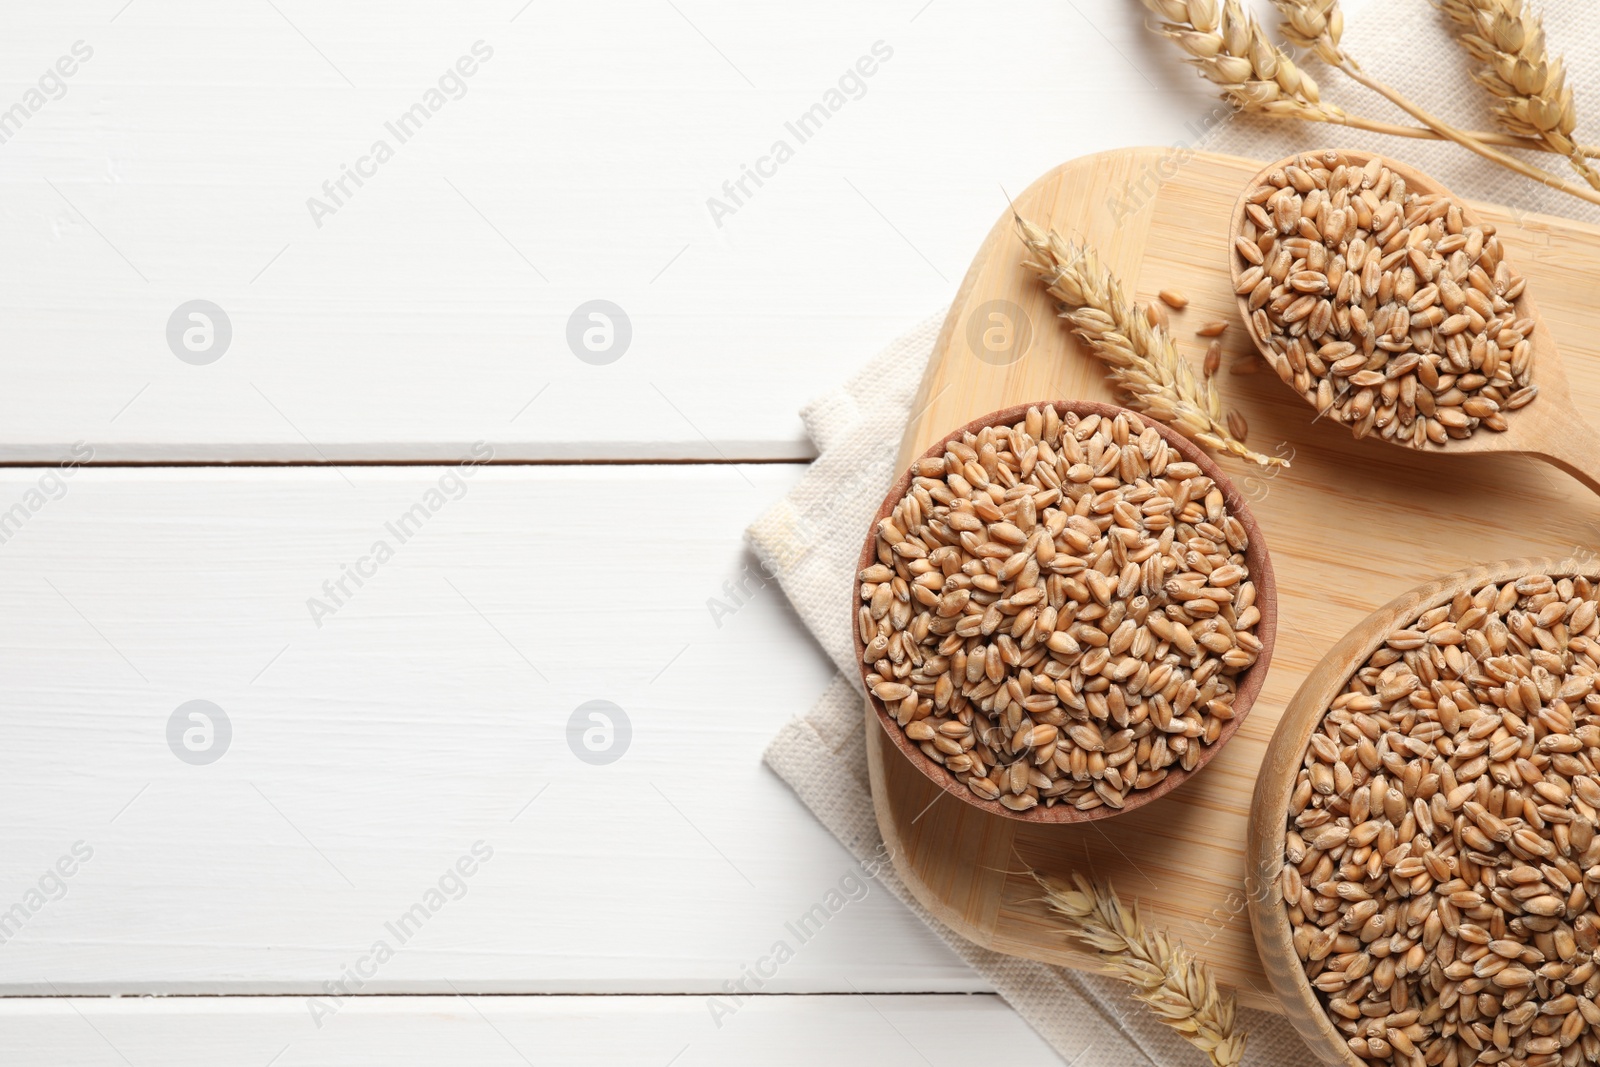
{"points": [[429, 711], [1350, 526], [432, 307], [188, 1032]]}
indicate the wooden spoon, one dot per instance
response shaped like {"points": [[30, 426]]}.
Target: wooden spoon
{"points": [[1549, 428]]}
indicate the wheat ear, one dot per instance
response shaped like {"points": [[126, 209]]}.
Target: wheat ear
{"points": [[1232, 51], [1164, 974], [1301, 15], [1141, 358], [1529, 88]]}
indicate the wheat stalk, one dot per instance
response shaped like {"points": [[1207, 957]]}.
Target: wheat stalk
{"points": [[1141, 357], [1232, 51], [1164, 974], [1320, 23], [1531, 95]]}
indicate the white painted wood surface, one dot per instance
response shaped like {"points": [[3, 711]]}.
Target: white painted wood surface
{"points": [[791, 1031], [432, 306], [428, 312], [426, 714]]}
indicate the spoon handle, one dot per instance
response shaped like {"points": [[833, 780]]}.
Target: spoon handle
{"points": [[1574, 446]]}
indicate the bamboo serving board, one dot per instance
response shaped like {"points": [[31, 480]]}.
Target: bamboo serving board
{"points": [[1351, 525]]}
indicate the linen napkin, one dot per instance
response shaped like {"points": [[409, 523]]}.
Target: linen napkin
{"points": [[810, 540]]}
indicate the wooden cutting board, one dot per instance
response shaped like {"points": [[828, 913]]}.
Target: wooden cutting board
{"points": [[1350, 526]]}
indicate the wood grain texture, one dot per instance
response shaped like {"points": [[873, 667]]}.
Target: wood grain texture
{"points": [[1350, 525], [429, 712], [509, 1031], [1281, 768]]}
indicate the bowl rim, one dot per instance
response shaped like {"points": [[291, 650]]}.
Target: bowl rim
{"points": [[1249, 684], [1269, 808]]}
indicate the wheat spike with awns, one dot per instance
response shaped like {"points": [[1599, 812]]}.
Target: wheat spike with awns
{"points": [[1164, 974], [1141, 358], [1230, 49], [1528, 87]]}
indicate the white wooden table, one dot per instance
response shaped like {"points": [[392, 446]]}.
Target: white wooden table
{"points": [[186, 499]]}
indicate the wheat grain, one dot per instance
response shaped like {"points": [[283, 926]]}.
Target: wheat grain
{"points": [[1441, 853], [1060, 610], [1164, 974], [1142, 360], [1388, 310], [1531, 95]]}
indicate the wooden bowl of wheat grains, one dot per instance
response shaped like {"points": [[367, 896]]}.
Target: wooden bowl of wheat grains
{"points": [[1248, 682], [1280, 770]]}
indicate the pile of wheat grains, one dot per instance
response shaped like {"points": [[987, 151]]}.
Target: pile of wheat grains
{"points": [[1060, 610], [1441, 856], [1383, 307]]}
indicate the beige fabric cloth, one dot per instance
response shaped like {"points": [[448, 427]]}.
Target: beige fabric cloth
{"points": [[810, 540]]}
